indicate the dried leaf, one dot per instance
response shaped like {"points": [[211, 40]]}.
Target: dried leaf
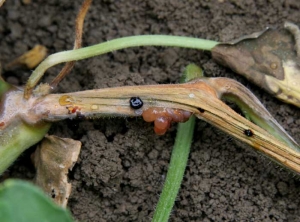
{"points": [[53, 159], [31, 58], [26, 2], [269, 59], [1, 2]]}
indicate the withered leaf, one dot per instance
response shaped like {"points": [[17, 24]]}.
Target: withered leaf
{"points": [[53, 159], [269, 59], [1, 2], [30, 59]]}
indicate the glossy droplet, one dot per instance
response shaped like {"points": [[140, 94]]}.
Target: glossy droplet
{"points": [[177, 115], [273, 65], [160, 131], [94, 107], [149, 115], [66, 100], [163, 117], [162, 123], [186, 115]]}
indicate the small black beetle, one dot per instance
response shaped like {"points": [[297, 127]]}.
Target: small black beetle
{"points": [[136, 102]]}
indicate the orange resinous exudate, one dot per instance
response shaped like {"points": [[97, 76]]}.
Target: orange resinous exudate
{"points": [[163, 117]]}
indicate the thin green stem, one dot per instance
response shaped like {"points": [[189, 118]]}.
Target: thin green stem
{"points": [[178, 160], [116, 44]]}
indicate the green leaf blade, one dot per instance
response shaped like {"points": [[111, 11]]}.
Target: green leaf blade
{"points": [[22, 202]]}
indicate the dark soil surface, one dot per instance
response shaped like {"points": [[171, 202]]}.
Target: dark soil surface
{"points": [[123, 164]]}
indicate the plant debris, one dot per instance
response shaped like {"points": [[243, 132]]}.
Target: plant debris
{"points": [[53, 159], [1, 2], [270, 59], [30, 59]]}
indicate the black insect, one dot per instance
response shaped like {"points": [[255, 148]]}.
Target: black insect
{"points": [[136, 102], [248, 132]]}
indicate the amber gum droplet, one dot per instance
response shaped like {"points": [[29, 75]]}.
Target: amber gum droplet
{"points": [[160, 132], [186, 114], [66, 100], [273, 65], [149, 115], [178, 116], [94, 107], [161, 122]]}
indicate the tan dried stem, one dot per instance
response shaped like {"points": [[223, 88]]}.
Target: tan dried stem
{"points": [[201, 97]]}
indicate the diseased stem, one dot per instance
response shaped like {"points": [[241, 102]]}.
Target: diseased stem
{"points": [[233, 91], [179, 158], [199, 97], [109, 46]]}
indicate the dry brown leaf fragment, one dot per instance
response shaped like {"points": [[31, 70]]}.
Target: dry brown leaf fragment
{"points": [[31, 58], [269, 59], [26, 2], [1, 2], [53, 159]]}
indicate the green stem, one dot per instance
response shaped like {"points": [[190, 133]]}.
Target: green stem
{"points": [[116, 44], [179, 159], [4, 87], [16, 139]]}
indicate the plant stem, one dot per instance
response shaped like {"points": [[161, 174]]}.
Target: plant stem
{"points": [[16, 139], [179, 158], [4, 87], [116, 44]]}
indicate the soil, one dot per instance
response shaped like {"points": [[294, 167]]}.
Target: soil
{"points": [[123, 164]]}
